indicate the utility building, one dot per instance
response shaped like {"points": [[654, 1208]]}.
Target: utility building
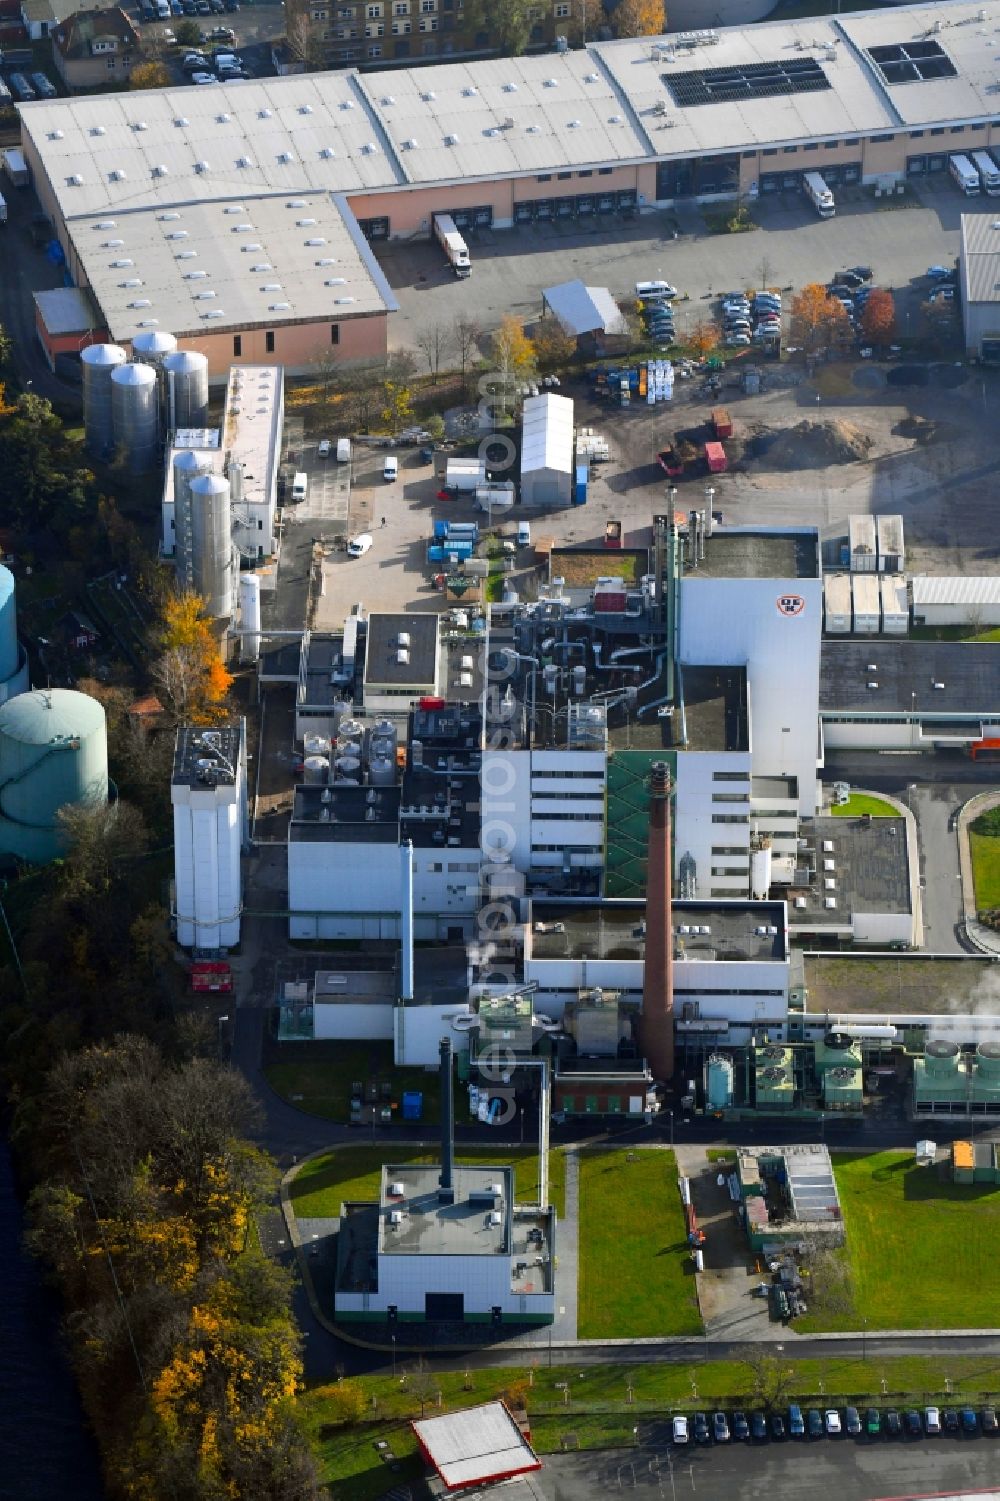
{"points": [[547, 451], [208, 793]]}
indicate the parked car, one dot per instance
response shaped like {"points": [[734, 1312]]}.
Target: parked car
{"points": [[701, 1430], [893, 1423], [203, 78], [940, 273], [814, 1422], [865, 273], [737, 341], [796, 1426], [967, 1419], [758, 1427], [949, 1420], [741, 1428], [680, 1429], [932, 1419], [912, 1423], [873, 1422], [192, 61], [832, 1423], [720, 1428], [988, 1418], [852, 1421], [221, 34], [777, 1426], [359, 545], [942, 294]]}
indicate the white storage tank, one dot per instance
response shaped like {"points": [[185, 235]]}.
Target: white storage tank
{"points": [[53, 752], [315, 770], [250, 617], [316, 745], [152, 346], [212, 546], [348, 769], [760, 868], [99, 361], [189, 464], [14, 677], [135, 415], [895, 609], [867, 604], [837, 603], [186, 374], [382, 771]]}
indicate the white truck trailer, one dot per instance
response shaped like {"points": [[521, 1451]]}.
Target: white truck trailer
{"points": [[452, 244], [819, 194]]}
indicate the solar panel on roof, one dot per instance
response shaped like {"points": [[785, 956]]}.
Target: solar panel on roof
{"points": [[794, 75], [911, 62]]}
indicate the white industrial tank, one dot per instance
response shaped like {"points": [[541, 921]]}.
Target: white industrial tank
{"points": [[152, 346], [186, 374], [98, 362], [315, 770], [212, 547], [135, 414], [13, 659], [189, 463], [53, 752], [250, 617]]}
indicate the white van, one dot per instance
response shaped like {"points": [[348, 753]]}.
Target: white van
{"points": [[390, 470], [524, 534], [343, 450], [300, 487]]}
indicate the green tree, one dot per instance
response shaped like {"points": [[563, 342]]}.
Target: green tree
{"points": [[188, 33], [506, 22]]}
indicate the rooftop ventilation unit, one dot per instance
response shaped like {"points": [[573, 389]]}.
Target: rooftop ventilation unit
{"points": [[800, 902], [872, 686], [106, 224], [55, 135], [224, 118], [410, 145], [76, 181], [305, 109], [285, 157], [148, 322], [336, 281], [387, 99], [215, 313], [177, 234], [342, 300], [829, 902], [186, 255], [195, 275], [159, 170], [234, 208], [347, 104], [428, 95], [264, 114], [242, 229], [167, 218], [202, 167], [263, 266], [395, 1218], [370, 149], [327, 153], [451, 140], [937, 686], [592, 78], [327, 260], [117, 174], [551, 83], [278, 307], [111, 244], [120, 265], [207, 296], [574, 125], [131, 281], [316, 240], [139, 125], [305, 223], [397, 1189], [244, 161], [616, 120], [182, 120], [510, 88], [141, 302], [97, 130], [251, 247], [532, 130], [470, 92]]}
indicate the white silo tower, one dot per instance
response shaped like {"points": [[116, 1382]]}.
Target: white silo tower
{"points": [[99, 361], [186, 374], [249, 617], [13, 658], [152, 346], [212, 544], [208, 793], [53, 752], [135, 414], [189, 465]]}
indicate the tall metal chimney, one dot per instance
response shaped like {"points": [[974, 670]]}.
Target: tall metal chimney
{"points": [[657, 1026], [406, 923], [446, 1182]]}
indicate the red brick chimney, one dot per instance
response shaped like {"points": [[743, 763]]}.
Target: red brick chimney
{"points": [[657, 1028]]}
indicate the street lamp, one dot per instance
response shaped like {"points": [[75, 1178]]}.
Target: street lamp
{"points": [[222, 1020], [864, 1339], [393, 1338]]}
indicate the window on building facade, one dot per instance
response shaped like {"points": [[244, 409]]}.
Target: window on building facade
{"points": [[269, 342]]}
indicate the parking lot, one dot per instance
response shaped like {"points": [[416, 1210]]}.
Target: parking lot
{"points": [[256, 27], [511, 267]]}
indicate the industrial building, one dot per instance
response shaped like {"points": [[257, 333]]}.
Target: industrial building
{"points": [[602, 131], [447, 1244], [894, 694], [951, 1080], [208, 791], [481, 1446], [788, 1195], [53, 754], [979, 279], [547, 451], [971, 600]]}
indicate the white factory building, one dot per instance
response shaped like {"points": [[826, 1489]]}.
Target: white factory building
{"points": [[895, 694], [545, 809], [966, 600], [209, 798]]}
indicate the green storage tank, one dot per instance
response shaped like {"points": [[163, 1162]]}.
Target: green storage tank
{"points": [[718, 1082], [53, 751]]}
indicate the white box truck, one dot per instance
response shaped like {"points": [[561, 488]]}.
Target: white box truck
{"points": [[989, 172], [964, 175], [465, 474], [452, 244], [819, 194], [16, 167]]}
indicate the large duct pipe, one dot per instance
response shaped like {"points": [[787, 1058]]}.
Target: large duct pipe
{"points": [[657, 1028], [446, 1182], [406, 923]]}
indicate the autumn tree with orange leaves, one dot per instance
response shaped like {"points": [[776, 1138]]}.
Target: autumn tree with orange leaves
{"points": [[878, 317], [189, 673], [640, 18], [704, 337], [819, 322]]}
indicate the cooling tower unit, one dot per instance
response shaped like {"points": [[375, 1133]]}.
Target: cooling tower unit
{"points": [[13, 660], [152, 346], [189, 465], [250, 617], [99, 362], [943, 1058], [53, 751], [657, 1028], [186, 375], [135, 415], [211, 544]]}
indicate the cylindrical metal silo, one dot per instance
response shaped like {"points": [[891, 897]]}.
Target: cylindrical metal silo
{"points": [[189, 464], [212, 546], [186, 375], [8, 625], [135, 414], [250, 617], [53, 751], [153, 345], [315, 770], [99, 361]]}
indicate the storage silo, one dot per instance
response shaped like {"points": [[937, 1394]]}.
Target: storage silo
{"points": [[718, 1082], [99, 362], [53, 752], [250, 617], [189, 464], [211, 543], [315, 770], [152, 346], [135, 414], [13, 659], [186, 374]]}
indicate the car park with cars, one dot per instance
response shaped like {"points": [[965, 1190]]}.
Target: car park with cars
{"points": [[796, 1425], [852, 1421], [680, 1429], [701, 1429], [720, 1428], [832, 1423]]}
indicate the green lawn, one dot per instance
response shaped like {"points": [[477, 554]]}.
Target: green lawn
{"points": [[858, 803], [318, 1077], [318, 1190], [636, 1273], [985, 869], [597, 1412], [921, 1249]]}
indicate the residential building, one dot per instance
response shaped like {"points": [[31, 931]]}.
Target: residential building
{"points": [[93, 49]]}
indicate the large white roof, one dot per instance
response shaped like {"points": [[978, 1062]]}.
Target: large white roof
{"points": [[478, 1445], [961, 589], [547, 434]]}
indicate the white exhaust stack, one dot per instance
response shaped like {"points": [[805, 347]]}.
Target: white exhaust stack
{"points": [[406, 923]]}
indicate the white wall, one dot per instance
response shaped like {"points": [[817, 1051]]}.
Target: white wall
{"points": [[712, 985], [527, 805], [484, 1280], [365, 1022], [419, 1030], [208, 828], [737, 622], [861, 734], [695, 834], [882, 928]]}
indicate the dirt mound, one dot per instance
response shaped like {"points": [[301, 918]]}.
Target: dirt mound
{"points": [[920, 429], [814, 445]]}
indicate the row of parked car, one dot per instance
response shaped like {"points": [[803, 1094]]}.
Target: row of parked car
{"points": [[223, 66], [753, 318], [37, 86], [758, 1426], [656, 299]]}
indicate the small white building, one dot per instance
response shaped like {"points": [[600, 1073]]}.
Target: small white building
{"points": [[966, 600], [891, 557], [547, 457], [837, 603], [866, 603], [862, 544], [895, 607], [251, 438], [208, 793]]}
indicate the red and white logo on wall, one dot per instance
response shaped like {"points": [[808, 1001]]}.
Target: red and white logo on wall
{"points": [[790, 604]]}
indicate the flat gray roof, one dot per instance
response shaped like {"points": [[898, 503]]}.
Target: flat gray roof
{"points": [[384, 646], [432, 1227], [715, 716], [906, 673], [67, 310], [870, 873], [763, 554], [617, 930], [213, 752]]}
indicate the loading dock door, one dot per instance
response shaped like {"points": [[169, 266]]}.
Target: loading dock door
{"points": [[444, 1307], [374, 229], [524, 213]]}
